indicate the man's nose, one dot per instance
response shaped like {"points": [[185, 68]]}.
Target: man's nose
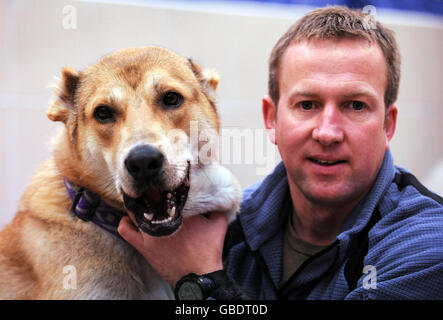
{"points": [[329, 127]]}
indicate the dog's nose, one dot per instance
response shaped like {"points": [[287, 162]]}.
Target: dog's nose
{"points": [[144, 162]]}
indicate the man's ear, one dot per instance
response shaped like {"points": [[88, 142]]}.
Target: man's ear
{"points": [[269, 111], [65, 93], [390, 123]]}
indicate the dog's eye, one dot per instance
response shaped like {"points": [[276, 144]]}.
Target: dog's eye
{"points": [[104, 114], [172, 100]]}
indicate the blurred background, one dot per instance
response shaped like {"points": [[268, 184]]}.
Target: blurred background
{"points": [[39, 37]]}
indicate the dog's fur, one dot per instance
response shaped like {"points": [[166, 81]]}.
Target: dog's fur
{"points": [[45, 236]]}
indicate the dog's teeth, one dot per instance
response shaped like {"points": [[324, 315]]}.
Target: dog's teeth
{"points": [[162, 221], [171, 212], [148, 216]]}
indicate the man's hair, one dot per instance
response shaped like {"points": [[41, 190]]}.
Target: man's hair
{"points": [[339, 22]]}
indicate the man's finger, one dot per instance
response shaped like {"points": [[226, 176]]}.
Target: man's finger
{"points": [[130, 233]]}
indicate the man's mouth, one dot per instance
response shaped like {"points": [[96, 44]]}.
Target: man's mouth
{"points": [[326, 162], [158, 212]]}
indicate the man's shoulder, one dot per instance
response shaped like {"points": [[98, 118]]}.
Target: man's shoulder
{"points": [[249, 190], [269, 183], [407, 197], [411, 223], [406, 244], [411, 188]]}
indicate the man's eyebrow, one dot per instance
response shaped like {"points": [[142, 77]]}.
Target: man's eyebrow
{"points": [[359, 93], [303, 93], [350, 94]]}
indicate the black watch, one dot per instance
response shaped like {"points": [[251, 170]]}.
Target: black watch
{"points": [[197, 287]]}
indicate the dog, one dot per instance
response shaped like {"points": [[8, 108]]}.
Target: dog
{"points": [[125, 148]]}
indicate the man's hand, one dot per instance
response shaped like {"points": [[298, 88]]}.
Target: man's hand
{"points": [[196, 247]]}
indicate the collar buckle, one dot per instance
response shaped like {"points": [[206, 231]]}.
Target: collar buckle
{"points": [[85, 205], [89, 207]]}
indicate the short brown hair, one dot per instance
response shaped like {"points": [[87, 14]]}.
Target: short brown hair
{"points": [[338, 22]]}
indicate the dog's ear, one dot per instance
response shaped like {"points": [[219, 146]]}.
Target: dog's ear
{"points": [[212, 79], [65, 89], [208, 78]]}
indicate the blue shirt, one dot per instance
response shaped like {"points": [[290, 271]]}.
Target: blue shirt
{"points": [[390, 246]]}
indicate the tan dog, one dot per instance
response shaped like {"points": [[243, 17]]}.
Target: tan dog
{"points": [[126, 146]]}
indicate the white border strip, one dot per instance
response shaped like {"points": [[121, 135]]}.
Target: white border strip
{"points": [[274, 10]]}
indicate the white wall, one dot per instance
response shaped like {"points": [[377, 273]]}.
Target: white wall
{"points": [[235, 40]]}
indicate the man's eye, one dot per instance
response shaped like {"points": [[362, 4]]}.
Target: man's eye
{"points": [[357, 105], [104, 114], [306, 105], [172, 100]]}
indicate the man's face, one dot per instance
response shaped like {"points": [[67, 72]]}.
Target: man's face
{"points": [[331, 126]]}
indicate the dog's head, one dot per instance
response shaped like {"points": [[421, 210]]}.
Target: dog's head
{"points": [[128, 130]]}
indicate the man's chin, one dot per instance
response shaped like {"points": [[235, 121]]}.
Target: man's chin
{"points": [[333, 195]]}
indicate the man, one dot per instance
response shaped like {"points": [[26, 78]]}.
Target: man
{"points": [[336, 219]]}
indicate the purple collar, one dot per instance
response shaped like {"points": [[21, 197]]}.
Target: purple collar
{"points": [[88, 206]]}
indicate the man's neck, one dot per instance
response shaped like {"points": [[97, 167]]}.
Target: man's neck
{"points": [[316, 223]]}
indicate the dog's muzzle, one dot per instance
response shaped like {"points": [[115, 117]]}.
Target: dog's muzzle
{"points": [[157, 211]]}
